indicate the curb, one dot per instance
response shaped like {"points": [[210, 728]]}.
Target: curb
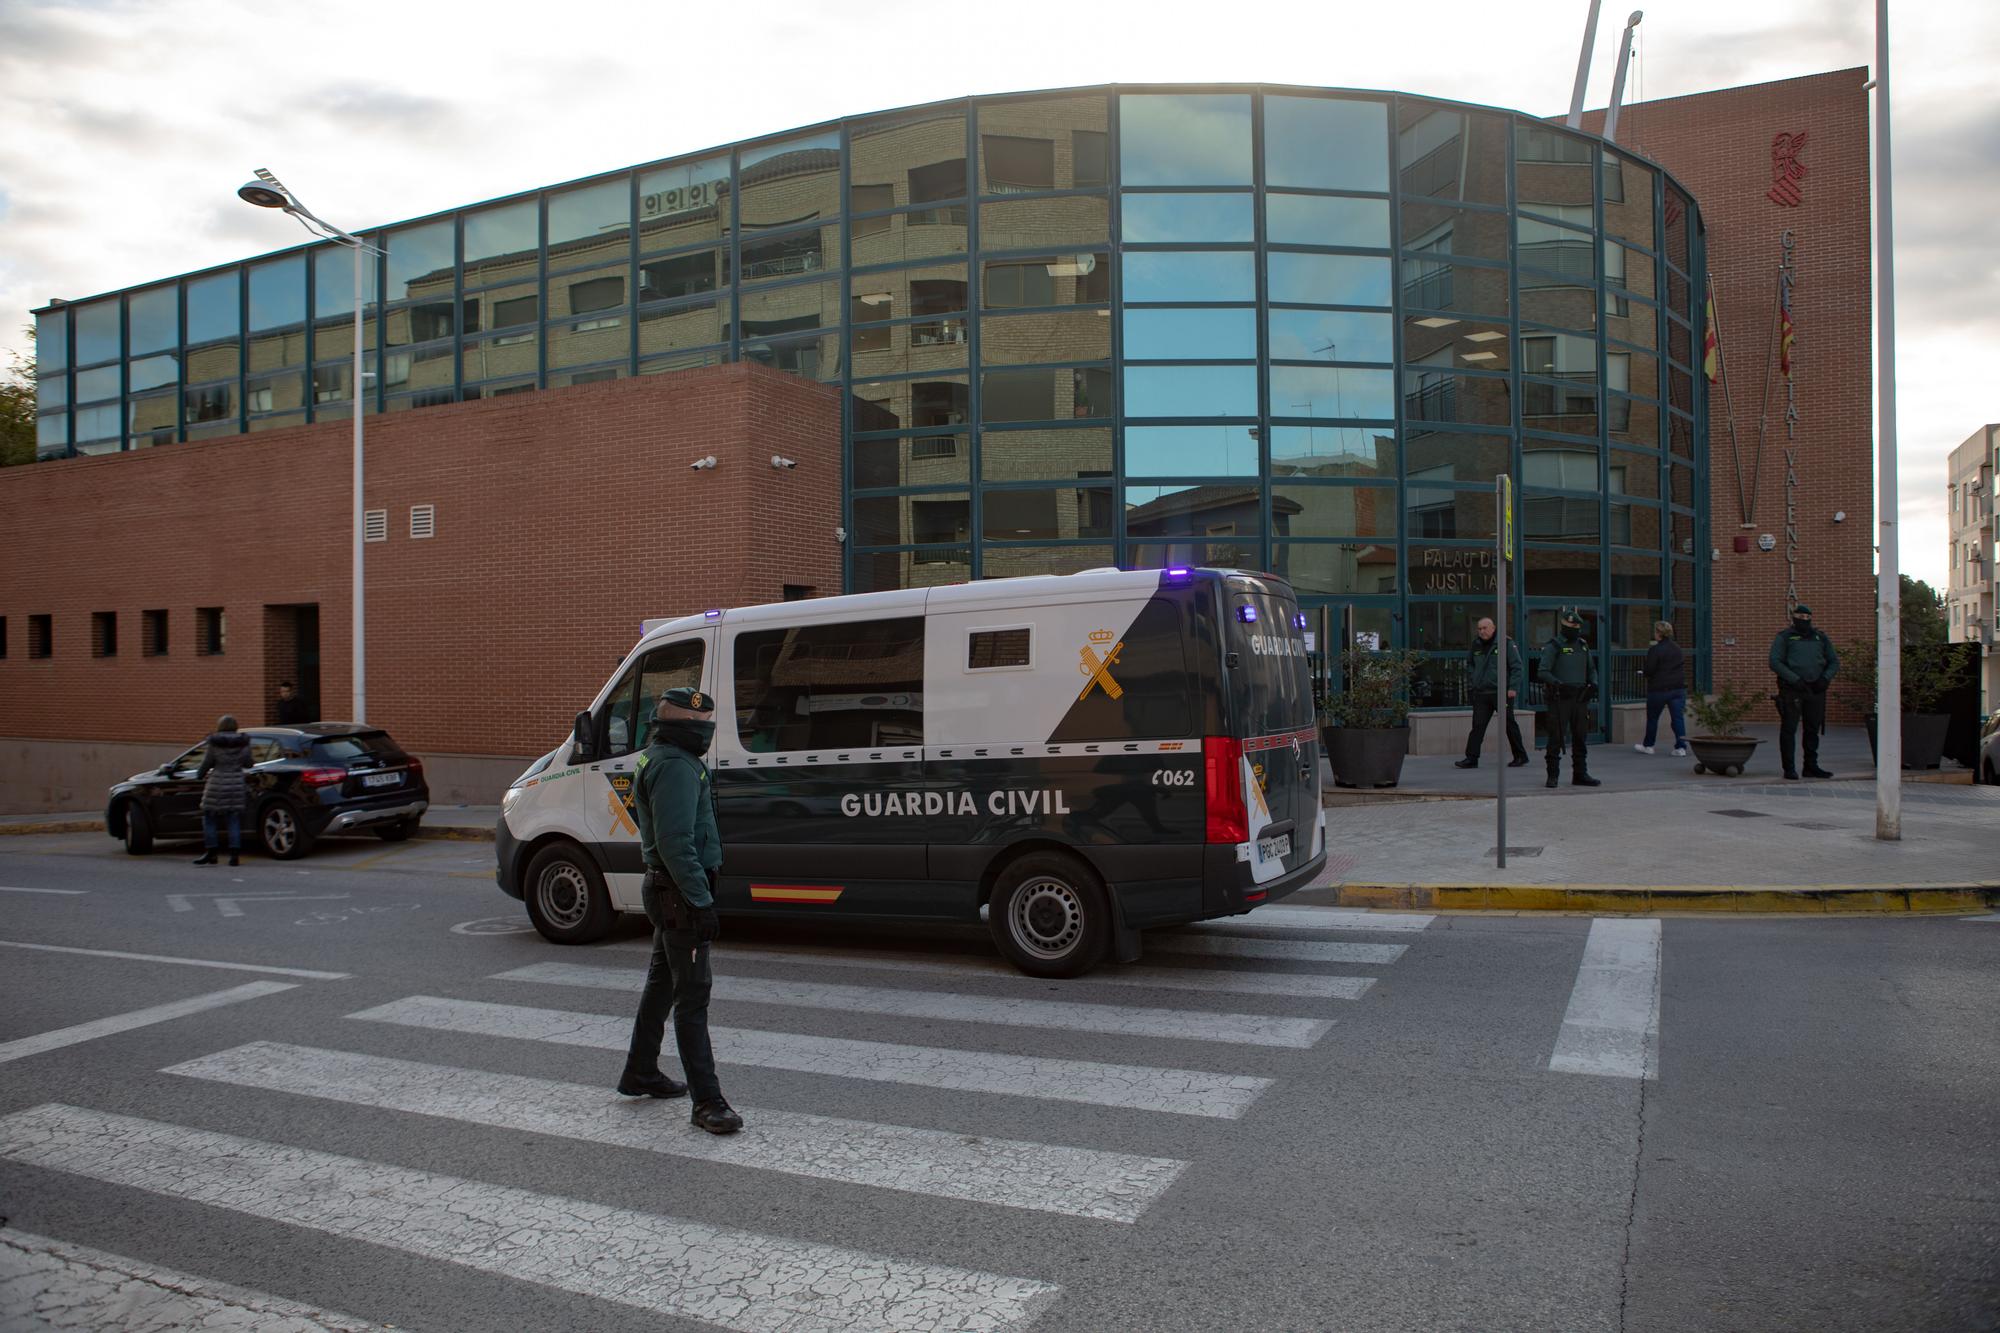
{"points": [[453, 833], [1643, 899], [52, 826]]}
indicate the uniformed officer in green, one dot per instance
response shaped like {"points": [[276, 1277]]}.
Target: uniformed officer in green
{"points": [[1569, 683], [675, 804], [1805, 663]]}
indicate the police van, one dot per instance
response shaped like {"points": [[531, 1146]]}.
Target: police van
{"points": [[1081, 757]]}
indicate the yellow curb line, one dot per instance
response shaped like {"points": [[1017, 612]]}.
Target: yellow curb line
{"points": [[1647, 898]]}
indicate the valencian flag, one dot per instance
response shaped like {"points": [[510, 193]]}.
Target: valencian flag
{"points": [[1711, 341], [1785, 330]]}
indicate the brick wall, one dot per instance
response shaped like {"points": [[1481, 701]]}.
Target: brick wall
{"points": [[1719, 145], [564, 518]]}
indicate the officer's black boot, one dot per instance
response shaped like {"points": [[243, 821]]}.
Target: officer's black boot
{"points": [[1467, 762], [1555, 777], [716, 1117], [1813, 770], [1581, 778], [207, 858], [235, 859], [634, 1084]]}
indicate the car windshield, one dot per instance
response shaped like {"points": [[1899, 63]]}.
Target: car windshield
{"points": [[340, 749]]}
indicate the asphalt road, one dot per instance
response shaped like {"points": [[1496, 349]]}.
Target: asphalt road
{"points": [[1307, 1120]]}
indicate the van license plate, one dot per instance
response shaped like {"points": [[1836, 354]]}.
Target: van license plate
{"points": [[1274, 849], [382, 780]]}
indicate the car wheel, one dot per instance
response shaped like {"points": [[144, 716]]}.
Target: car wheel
{"points": [[138, 829], [281, 832], [566, 897], [398, 830], [1050, 915]]}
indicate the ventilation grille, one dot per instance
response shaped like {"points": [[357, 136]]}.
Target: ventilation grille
{"points": [[423, 521], [375, 525]]}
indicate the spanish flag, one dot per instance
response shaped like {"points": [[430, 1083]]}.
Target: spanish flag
{"points": [[1711, 341]]}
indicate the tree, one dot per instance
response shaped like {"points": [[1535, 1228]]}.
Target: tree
{"points": [[17, 409], [1932, 665]]}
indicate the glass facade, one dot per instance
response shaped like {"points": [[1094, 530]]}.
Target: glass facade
{"points": [[1279, 328]]}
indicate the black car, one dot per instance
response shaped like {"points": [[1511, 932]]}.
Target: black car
{"points": [[1988, 763], [306, 781]]}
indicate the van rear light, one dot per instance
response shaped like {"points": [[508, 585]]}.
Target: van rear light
{"points": [[1221, 765], [323, 777]]}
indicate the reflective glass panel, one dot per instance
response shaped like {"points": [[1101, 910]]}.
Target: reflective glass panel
{"points": [[902, 162], [52, 338], [420, 261], [1438, 455], [1191, 451], [1326, 143], [928, 289], [1319, 219], [918, 233], [790, 255], [1043, 280], [214, 319], [1329, 335], [501, 241], [795, 309], [921, 403], [278, 294], [1226, 509], [1449, 153], [217, 402], [1635, 474], [677, 276], [1563, 306], [1017, 224], [1432, 229], [1446, 512], [98, 423], [1566, 251], [902, 520], [97, 331], [1453, 571], [1305, 510], [333, 282], [283, 392], [1190, 335], [153, 318], [1055, 335], [588, 224], [1185, 139], [1570, 575], [923, 460], [1559, 464], [1446, 340], [1191, 275], [1447, 628], [1056, 143], [934, 567], [1308, 279], [1007, 562], [154, 415], [599, 335], [1044, 395], [788, 183], [1190, 391], [1337, 569], [1172, 218], [1331, 451], [505, 355], [1044, 455], [1332, 392], [1442, 396], [52, 389], [1677, 209], [92, 385], [52, 435], [1633, 270], [1046, 515], [683, 204], [683, 327], [1559, 518]]}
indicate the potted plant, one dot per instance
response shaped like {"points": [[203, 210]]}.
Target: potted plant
{"points": [[1365, 727], [1721, 747], [1931, 669]]}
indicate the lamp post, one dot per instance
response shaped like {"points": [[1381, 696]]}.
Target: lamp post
{"points": [[1888, 585], [268, 192]]}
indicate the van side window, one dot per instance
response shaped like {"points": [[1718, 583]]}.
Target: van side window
{"points": [[628, 710], [826, 686], [988, 649]]}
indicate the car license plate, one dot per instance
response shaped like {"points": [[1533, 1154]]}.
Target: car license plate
{"points": [[1274, 849], [382, 780]]}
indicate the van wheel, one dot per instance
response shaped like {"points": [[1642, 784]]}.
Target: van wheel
{"points": [[138, 829], [1050, 916], [566, 897]]}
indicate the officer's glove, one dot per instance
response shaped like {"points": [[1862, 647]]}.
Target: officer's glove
{"points": [[1590, 694], [1819, 687], [707, 925]]}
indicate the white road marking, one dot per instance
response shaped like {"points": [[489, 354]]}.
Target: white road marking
{"points": [[1134, 1087], [1118, 1019], [1991, 918], [226, 903], [1612, 1026], [1203, 980], [719, 1275], [303, 973], [1298, 951], [50, 1284], [63, 892], [1320, 918], [139, 1018], [1109, 1186]]}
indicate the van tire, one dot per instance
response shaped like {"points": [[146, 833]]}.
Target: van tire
{"points": [[565, 896], [1050, 915]]}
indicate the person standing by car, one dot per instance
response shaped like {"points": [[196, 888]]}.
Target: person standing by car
{"points": [[1666, 688], [675, 804], [291, 709], [1805, 663], [1482, 676], [1569, 680], [226, 765]]}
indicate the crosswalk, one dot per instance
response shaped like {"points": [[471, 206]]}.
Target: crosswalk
{"points": [[1195, 1036]]}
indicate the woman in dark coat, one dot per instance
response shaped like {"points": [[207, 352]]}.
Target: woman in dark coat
{"points": [[226, 766]]}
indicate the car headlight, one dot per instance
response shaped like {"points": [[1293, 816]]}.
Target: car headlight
{"points": [[507, 801]]}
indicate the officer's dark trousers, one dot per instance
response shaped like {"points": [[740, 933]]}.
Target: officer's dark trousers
{"points": [[1794, 705], [1569, 725], [680, 980], [1485, 703]]}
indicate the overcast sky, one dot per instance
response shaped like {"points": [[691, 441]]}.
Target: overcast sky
{"points": [[131, 122]]}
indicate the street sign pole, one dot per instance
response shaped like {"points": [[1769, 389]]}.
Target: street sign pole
{"points": [[1503, 568]]}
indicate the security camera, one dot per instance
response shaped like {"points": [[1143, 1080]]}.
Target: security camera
{"points": [[780, 461], [1840, 516], [703, 464], [840, 534]]}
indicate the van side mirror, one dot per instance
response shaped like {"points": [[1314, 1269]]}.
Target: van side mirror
{"points": [[585, 734]]}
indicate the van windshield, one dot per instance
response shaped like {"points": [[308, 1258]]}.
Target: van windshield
{"points": [[1275, 682]]}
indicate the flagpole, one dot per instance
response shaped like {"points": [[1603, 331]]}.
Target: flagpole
{"points": [[1888, 589]]}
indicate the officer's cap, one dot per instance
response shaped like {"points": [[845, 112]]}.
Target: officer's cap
{"points": [[1802, 610], [684, 705], [1570, 616]]}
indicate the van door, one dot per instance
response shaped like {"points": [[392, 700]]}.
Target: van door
{"points": [[625, 721], [1272, 686]]}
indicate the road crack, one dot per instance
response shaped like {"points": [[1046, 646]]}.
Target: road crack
{"points": [[1650, 1072]]}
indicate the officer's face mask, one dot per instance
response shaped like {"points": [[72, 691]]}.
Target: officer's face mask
{"points": [[1803, 624], [688, 734], [1572, 632]]}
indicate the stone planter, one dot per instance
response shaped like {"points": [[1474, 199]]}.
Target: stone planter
{"points": [[1923, 738], [1722, 755], [1365, 756]]}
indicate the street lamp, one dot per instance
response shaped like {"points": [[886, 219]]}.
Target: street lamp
{"points": [[267, 191]]}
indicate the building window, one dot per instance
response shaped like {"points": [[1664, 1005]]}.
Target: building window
{"points": [[209, 631], [41, 636], [154, 625], [1015, 165], [3, 637], [104, 634]]}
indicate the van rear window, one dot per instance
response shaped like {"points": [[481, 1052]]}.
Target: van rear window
{"points": [[1272, 677]]}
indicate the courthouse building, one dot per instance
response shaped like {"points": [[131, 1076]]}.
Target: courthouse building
{"points": [[1277, 328]]}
